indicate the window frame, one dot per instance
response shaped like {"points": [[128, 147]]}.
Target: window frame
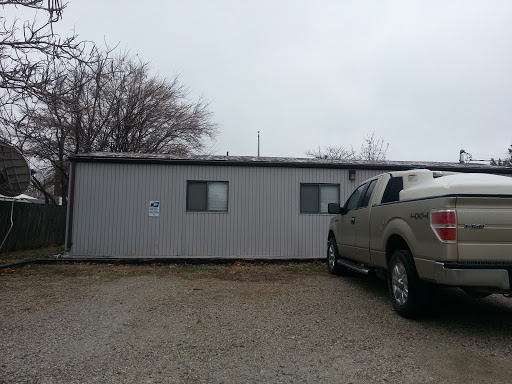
{"points": [[207, 182], [319, 185]]}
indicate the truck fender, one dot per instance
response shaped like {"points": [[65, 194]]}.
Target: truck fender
{"points": [[397, 234]]}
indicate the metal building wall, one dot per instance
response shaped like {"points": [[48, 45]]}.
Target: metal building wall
{"points": [[111, 211]]}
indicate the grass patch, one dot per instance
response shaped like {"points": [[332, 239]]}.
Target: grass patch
{"points": [[30, 254], [231, 271], [311, 267], [190, 269]]}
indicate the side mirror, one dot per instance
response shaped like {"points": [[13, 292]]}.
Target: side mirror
{"points": [[334, 208]]}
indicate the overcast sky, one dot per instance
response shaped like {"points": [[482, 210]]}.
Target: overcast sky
{"points": [[429, 77]]}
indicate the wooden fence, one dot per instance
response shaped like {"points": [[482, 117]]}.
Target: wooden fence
{"points": [[35, 225]]}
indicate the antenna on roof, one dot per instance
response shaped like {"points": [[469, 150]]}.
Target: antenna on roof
{"points": [[465, 157], [258, 143], [462, 158]]}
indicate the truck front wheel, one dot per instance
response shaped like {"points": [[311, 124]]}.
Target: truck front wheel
{"points": [[408, 293], [332, 258]]}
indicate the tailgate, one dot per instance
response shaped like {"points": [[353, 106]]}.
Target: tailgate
{"points": [[484, 229]]}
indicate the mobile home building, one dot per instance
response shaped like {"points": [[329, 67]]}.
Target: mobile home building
{"points": [[164, 206]]}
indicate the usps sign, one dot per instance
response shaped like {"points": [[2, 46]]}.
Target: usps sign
{"points": [[154, 208]]}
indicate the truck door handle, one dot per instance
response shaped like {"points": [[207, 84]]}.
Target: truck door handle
{"points": [[353, 220]]}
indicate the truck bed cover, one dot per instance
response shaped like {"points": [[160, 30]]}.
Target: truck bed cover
{"points": [[422, 183]]}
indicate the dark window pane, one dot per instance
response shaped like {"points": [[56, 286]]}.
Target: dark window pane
{"points": [[309, 198], [392, 192], [196, 196]]}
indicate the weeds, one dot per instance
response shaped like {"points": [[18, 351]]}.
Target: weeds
{"points": [[30, 254]]}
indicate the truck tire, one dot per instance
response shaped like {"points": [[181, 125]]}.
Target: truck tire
{"points": [[409, 294], [332, 258]]}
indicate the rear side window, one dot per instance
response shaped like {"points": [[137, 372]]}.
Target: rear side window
{"points": [[368, 194], [392, 191]]}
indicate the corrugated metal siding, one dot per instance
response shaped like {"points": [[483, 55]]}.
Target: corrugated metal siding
{"points": [[111, 211]]}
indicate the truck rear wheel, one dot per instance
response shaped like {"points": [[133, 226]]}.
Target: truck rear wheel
{"points": [[409, 294]]}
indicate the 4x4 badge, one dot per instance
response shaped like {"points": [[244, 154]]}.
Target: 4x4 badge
{"points": [[419, 216]]}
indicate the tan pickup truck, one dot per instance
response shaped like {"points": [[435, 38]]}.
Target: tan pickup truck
{"points": [[421, 228]]}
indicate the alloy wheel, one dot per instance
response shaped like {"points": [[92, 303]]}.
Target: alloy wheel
{"points": [[400, 284]]}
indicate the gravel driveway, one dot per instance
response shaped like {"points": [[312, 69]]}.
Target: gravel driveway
{"points": [[270, 323]]}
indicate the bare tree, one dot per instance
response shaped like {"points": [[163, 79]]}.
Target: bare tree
{"points": [[153, 115], [56, 99], [105, 103], [506, 162], [28, 48], [373, 149], [338, 153]]}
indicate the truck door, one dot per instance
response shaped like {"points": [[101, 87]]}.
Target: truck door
{"points": [[361, 216], [346, 237]]}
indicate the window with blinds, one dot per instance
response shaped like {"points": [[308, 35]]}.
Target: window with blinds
{"points": [[314, 198], [207, 196]]}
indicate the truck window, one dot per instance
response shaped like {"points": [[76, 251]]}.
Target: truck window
{"points": [[353, 200], [368, 194], [392, 191]]}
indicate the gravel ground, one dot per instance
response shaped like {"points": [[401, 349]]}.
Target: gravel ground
{"points": [[271, 323]]}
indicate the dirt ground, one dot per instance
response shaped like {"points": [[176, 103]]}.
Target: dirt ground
{"points": [[239, 323]]}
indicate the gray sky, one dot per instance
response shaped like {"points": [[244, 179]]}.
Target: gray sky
{"points": [[429, 77]]}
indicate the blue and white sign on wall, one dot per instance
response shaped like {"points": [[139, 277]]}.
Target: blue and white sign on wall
{"points": [[154, 208]]}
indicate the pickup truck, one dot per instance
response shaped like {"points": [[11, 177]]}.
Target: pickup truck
{"points": [[422, 228]]}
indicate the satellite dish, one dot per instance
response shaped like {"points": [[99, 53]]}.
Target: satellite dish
{"points": [[14, 171]]}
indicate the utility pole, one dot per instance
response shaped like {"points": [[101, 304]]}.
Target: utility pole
{"points": [[258, 143]]}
